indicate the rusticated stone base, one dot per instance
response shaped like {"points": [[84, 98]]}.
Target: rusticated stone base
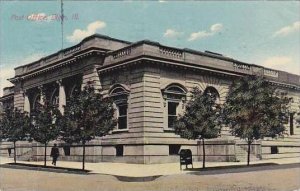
{"points": [[216, 150]]}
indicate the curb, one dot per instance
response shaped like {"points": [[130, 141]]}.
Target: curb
{"points": [[76, 171], [46, 169]]}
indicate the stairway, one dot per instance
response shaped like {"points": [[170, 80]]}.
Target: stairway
{"points": [[25, 156], [241, 151], [4, 146], [24, 152]]}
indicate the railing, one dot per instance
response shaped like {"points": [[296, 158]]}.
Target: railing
{"points": [[121, 53], [241, 67], [33, 66], [52, 58], [72, 50], [271, 73], [171, 52]]}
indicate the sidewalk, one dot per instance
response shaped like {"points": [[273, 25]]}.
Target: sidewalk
{"points": [[145, 170]]}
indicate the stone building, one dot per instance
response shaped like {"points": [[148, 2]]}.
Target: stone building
{"points": [[150, 84]]}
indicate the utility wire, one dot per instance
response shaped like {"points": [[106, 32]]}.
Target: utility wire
{"points": [[62, 23]]}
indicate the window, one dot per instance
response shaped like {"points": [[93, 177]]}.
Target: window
{"points": [[172, 113], [66, 149], [213, 92], [119, 150], [120, 97], [174, 97], [36, 105], [174, 149], [122, 117], [274, 150], [55, 98]]}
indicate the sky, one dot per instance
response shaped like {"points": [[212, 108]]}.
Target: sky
{"points": [[265, 33]]}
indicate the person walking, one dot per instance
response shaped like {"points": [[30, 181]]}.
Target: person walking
{"points": [[54, 154]]}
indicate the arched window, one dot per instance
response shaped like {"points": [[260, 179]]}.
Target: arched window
{"points": [[174, 95], [36, 104], [55, 97], [75, 89], [214, 93], [120, 97]]}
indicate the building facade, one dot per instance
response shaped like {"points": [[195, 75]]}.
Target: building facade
{"points": [[150, 84]]}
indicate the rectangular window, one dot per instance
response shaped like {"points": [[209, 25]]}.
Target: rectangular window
{"points": [[122, 119], [274, 150], [67, 150], [119, 150], [172, 113], [174, 149]]}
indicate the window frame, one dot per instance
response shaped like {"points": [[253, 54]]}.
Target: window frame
{"points": [[176, 111], [122, 116], [120, 96], [171, 95]]}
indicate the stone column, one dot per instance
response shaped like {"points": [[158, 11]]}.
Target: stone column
{"points": [[61, 96], [26, 102]]}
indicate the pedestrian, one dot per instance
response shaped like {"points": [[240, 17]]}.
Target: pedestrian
{"points": [[54, 154]]}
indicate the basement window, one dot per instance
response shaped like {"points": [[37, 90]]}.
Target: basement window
{"points": [[274, 150], [174, 149], [66, 150], [119, 150]]}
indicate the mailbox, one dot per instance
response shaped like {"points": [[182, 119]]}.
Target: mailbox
{"points": [[186, 158]]}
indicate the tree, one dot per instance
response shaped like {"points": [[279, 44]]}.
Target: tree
{"points": [[14, 126], [298, 116], [254, 111], [88, 114], [200, 119], [46, 125]]}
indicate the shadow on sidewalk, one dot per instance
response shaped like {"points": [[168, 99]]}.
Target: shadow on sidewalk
{"points": [[44, 168], [240, 168], [137, 179]]}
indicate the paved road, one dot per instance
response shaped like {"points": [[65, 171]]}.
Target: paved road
{"points": [[281, 179]]}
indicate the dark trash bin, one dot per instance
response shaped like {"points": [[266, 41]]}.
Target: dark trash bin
{"points": [[186, 158]]}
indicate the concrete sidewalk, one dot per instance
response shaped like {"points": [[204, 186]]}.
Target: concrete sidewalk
{"points": [[144, 170]]}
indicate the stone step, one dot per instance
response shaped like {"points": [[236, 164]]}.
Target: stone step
{"points": [[282, 155], [244, 158], [280, 143], [267, 150]]}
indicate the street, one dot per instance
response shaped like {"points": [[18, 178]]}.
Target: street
{"points": [[281, 179]]}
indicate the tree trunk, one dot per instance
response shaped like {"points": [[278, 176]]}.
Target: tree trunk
{"points": [[45, 155], [83, 155], [15, 153], [203, 147], [248, 157]]}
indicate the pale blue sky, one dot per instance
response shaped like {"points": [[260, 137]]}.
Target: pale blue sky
{"points": [[263, 33]]}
